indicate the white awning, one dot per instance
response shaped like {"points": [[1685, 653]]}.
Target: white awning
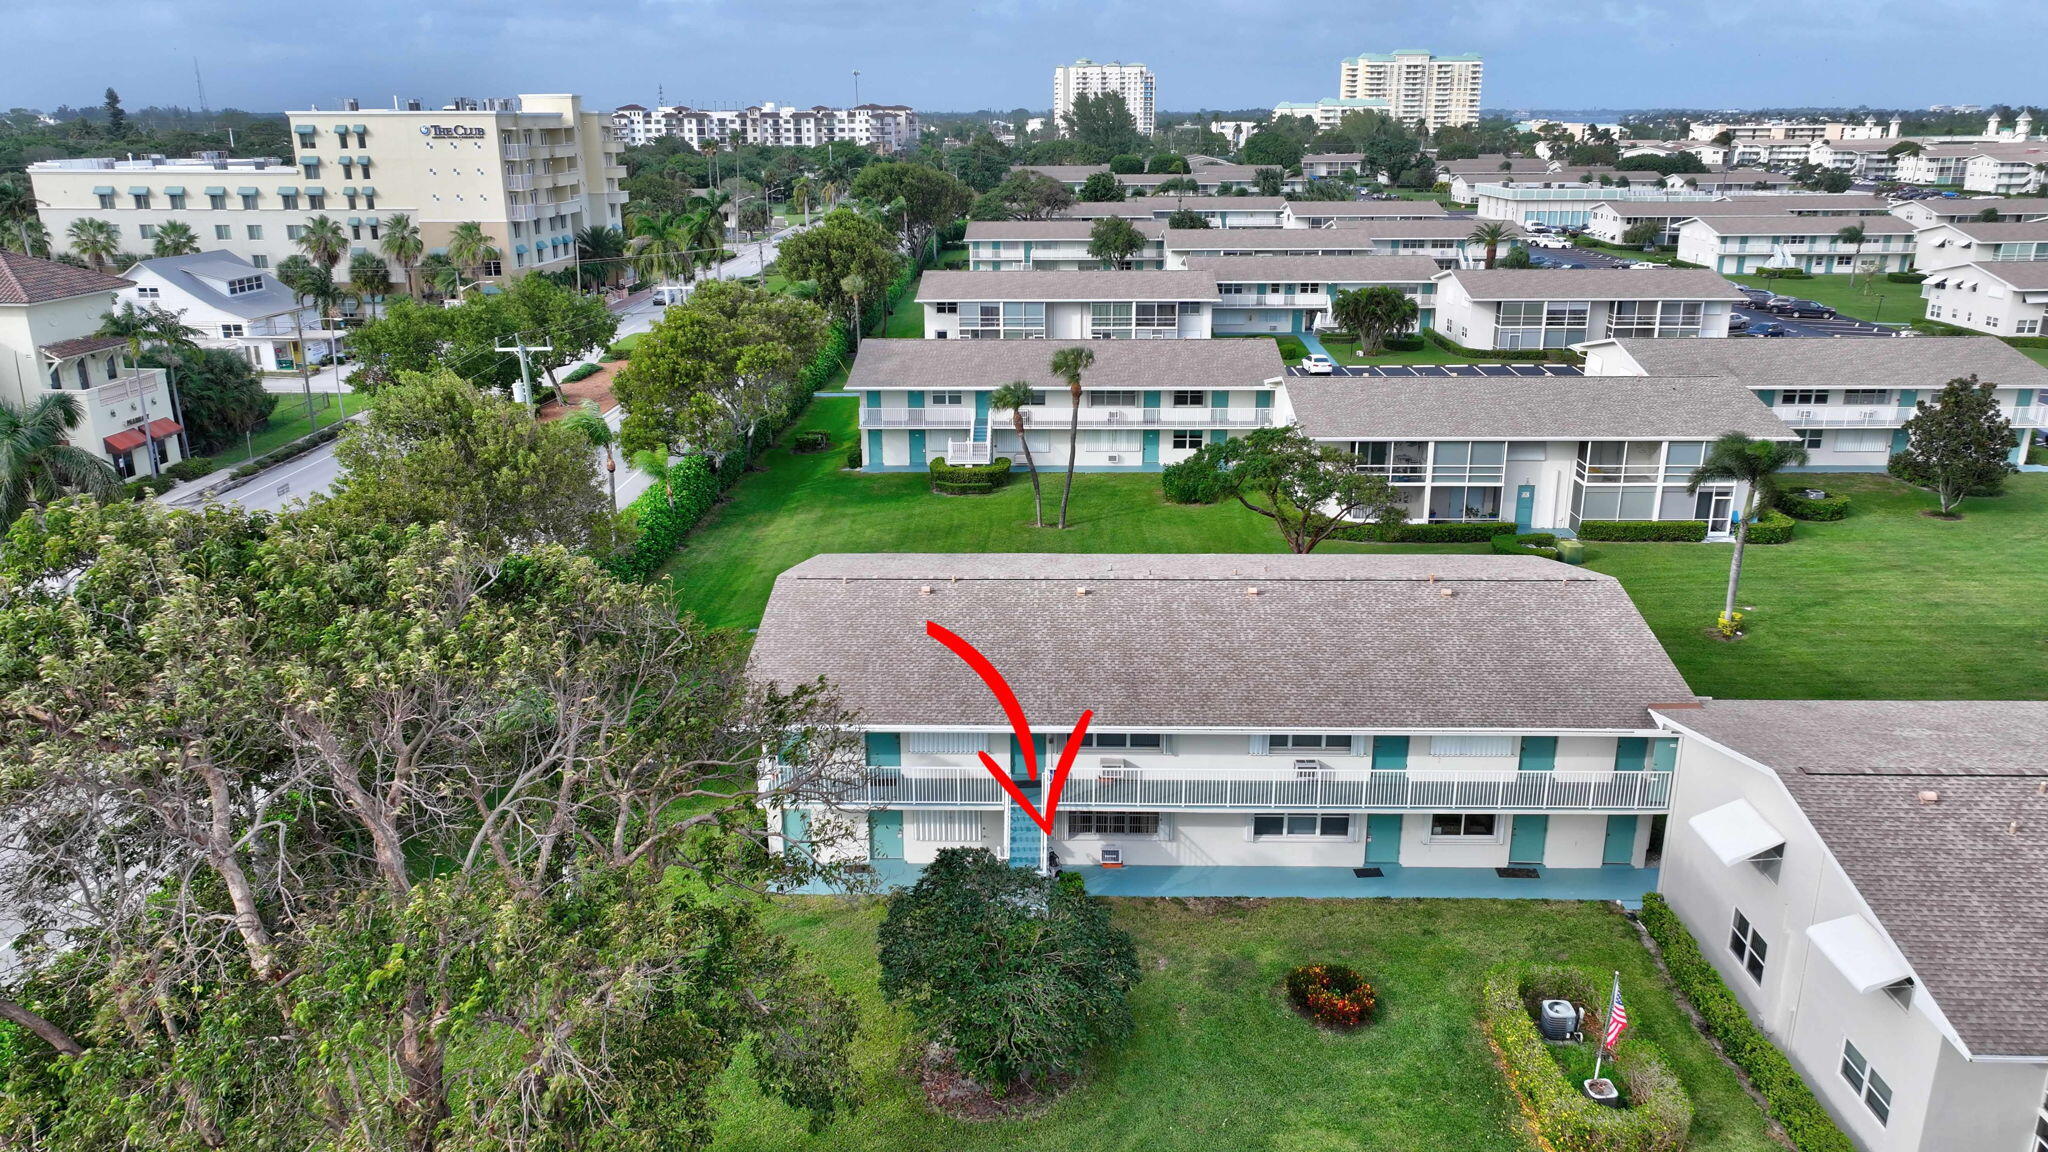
{"points": [[1860, 952], [1735, 831]]}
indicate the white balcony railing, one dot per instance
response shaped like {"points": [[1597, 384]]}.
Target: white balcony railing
{"points": [[968, 451], [1843, 417], [520, 152], [519, 183], [915, 418], [2028, 415], [1055, 419], [1632, 474], [1231, 789]]}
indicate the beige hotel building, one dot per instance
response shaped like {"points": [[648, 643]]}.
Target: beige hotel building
{"points": [[533, 171]]}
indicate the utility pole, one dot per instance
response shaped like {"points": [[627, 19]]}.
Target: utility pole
{"points": [[519, 345], [305, 376]]}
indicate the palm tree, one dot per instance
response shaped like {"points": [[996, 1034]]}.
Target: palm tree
{"points": [[853, 285], [470, 248], [604, 245], [174, 238], [440, 274], [28, 237], [96, 241], [401, 242], [1012, 398], [657, 465], [20, 229], [704, 228], [1373, 314], [141, 327], [1741, 460], [38, 465], [368, 278], [1854, 234], [660, 246], [1493, 233], [323, 241], [589, 419], [1068, 364], [801, 191]]}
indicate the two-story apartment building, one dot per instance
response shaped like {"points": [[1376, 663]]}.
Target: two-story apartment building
{"points": [[1335, 213], [1051, 245], [1845, 400], [1209, 179], [1259, 294], [1813, 244], [1446, 240], [237, 306], [1068, 305], [2002, 298], [1562, 203], [1461, 176], [49, 313], [1734, 181], [1944, 210], [1322, 165], [1610, 221], [1219, 211], [1545, 451], [1360, 763], [1866, 876], [2015, 169], [1970, 241], [1545, 308]]}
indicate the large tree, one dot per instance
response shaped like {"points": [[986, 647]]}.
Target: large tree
{"points": [[1068, 364], [563, 321], [844, 243], [220, 395], [433, 448], [1752, 465], [329, 837], [38, 462], [1027, 195], [1374, 314], [917, 200], [1016, 976], [1101, 126], [1958, 443], [718, 367], [1114, 240], [1309, 490], [1100, 187]]}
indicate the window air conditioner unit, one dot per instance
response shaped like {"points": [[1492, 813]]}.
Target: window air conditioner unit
{"points": [[1115, 459], [1112, 856], [1307, 769]]}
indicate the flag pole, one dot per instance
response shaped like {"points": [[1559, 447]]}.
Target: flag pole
{"points": [[1606, 1024]]}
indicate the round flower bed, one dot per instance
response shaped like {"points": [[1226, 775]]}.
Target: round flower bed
{"points": [[1332, 995]]}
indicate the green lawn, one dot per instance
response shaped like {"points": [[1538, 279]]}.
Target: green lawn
{"points": [[906, 319], [1870, 298], [288, 422], [1217, 1060], [1345, 350], [1887, 603]]}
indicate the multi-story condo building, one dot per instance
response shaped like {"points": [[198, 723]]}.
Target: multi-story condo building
{"points": [[1538, 308], [2007, 169], [238, 307], [1866, 877], [1051, 245], [1734, 181], [1845, 400], [1739, 244], [882, 127], [1144, 405], [2008, 298], [49, 314], [1106, 305], [1219, 211], [1796, 130], [1328, 112], [1446, 240], [1943, 210], [1971, 241], [1565, 203], [1084, 77], [1262, 294], [1418, 87], [1535, 748], [1611, 220], [1325, 164], [1209, 179], [531, 175]]}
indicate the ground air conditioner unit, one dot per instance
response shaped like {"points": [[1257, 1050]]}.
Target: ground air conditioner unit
{"points": [[1112, 856]]}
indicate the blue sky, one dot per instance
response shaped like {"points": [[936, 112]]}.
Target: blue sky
{"points": [[962, 54]]}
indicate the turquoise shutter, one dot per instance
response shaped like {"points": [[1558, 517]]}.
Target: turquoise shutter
{"points": [[1389, 753], [1539, 754], [885, 749], [1630, 753]]}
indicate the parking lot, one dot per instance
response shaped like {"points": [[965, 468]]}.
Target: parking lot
{"points": [[1839, 326], [1441, 370]]}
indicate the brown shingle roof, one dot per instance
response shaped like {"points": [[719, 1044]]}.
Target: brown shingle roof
{"points": [[28, 280], [1528, 408]]}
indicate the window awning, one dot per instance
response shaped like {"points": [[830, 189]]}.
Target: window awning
{"points": [[163, 428], [1735, 831], [355, 221], [1860, 953], [174, 189], [519, 248], [363, 160], [361, 128], [305, 129], [138, 190], [349, 191], [315, 190], [341, 127], [369, 191], [248, 191], [288, 190], [103, 190], [216, 190], [126, 440]]}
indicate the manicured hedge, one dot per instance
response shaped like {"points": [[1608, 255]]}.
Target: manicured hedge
{"points": [[1784, 274], [1542, 544], [1771, 527], [1801, 508], [190, 468], [143, 487], [1195, 480], [1786, 1097], [581, 372], [1492, 355], [663, 515], [297, 447], [853, 454], [1905, 277], [1466, 532], [969, 479], [1659, 1111], [1683, 531]]}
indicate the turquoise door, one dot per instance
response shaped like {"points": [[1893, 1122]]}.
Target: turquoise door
{"points": [[885, 835], [1525, 507], [1621, 841], [1539, 754], [1389, 753], [885, 749], [917, 456], [1631, 753], [1525, 839], [796, 829], [1151, 446], [1383, 838], [1019, 770]]}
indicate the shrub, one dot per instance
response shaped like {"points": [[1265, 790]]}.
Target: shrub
{"points": [[853, 457], [1905, 277], [1490, 355], [1464, 532], [1405, 344], [143, 487], [581, 372], [1803, 508], [1542, 544], [1688, 531], [1784, 274], [1659, 1111], [1786, 1097], [663, 515], [1771, 527], [190, 468], [811, 440], [1901, 467], [969, 479], [1292, 350], [1332, 995], [1195, 480]]}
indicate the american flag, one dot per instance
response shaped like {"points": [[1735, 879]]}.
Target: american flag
{"points": [[1617, 1020]]}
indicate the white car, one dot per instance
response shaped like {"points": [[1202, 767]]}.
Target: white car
{"points": [[1547, 242], [1317, 364], [1643, 264]]}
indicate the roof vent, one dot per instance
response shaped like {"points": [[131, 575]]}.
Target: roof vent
{"points": [[926, 590], [2013, 829], [1251, 591], [1446, 593], [1080, 591], [1930, 796]]}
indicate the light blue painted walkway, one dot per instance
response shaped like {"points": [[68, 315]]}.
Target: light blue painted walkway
{"points": [[1314, 345], [1625, 885]]}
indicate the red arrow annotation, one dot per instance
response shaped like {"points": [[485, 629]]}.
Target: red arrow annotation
{"points": [[1020, 728]]}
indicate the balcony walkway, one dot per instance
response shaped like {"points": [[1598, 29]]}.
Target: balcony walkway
{"points": [[1624, 885]]}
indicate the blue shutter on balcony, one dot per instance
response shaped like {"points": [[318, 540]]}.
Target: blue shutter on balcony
{"points": [[1389, 753], [1630, 753]]}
